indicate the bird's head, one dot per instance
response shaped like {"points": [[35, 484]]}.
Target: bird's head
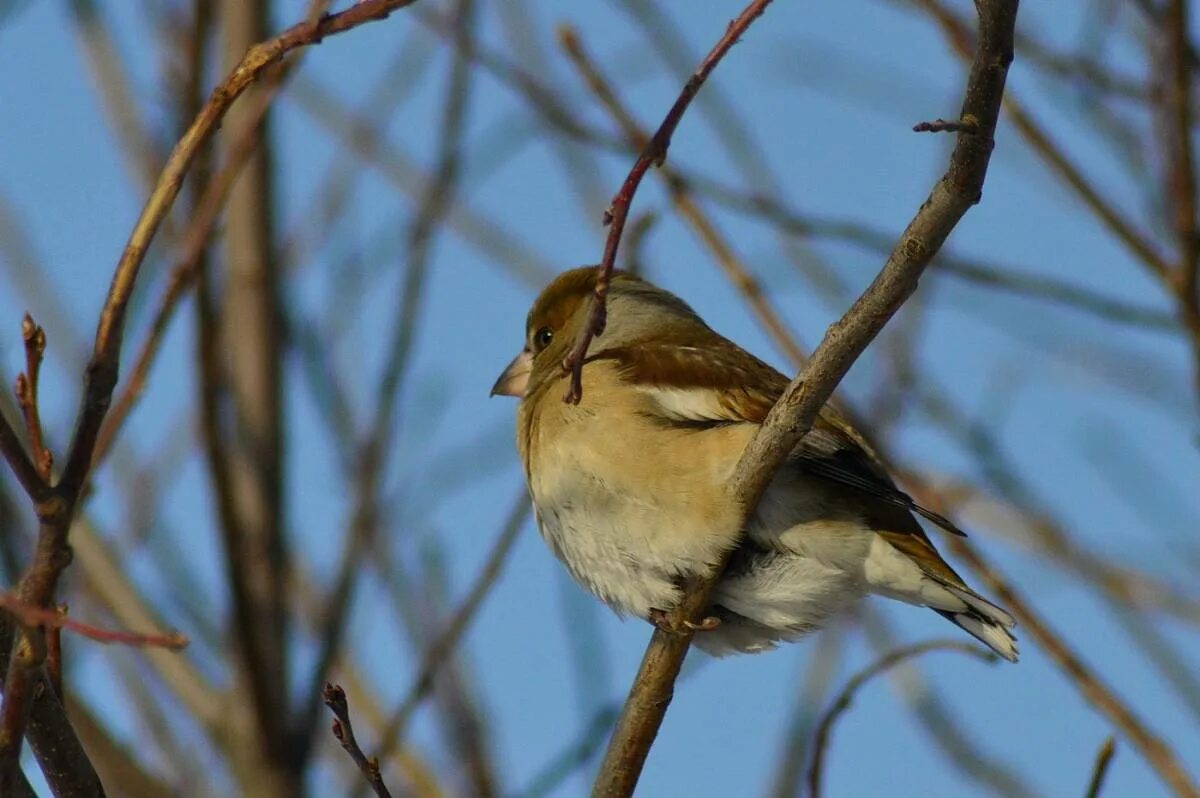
{"points": [[638, 312]]}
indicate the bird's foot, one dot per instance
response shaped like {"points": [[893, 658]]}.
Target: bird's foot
{"points": [[663, 620]]}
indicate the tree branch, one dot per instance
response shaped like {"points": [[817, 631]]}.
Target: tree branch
{"points": [[796, 410], [56, 505], [335, 699]]}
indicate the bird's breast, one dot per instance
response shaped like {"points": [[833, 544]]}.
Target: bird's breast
{"points": [[626, 504]]}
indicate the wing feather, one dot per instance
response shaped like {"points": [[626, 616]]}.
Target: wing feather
{"points": [[715, 382]]}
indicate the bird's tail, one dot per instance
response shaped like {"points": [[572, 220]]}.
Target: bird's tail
{"points": [[984, 621]]}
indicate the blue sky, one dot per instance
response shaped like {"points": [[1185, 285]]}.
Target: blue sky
{"points": [[828, 93]]}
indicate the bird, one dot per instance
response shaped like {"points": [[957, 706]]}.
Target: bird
{"points": [[630, 486]]}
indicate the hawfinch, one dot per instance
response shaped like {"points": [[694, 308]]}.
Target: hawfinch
{"points": [[630, 486]]}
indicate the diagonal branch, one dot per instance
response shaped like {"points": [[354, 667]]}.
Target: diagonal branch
{"points": [[794, 413]]}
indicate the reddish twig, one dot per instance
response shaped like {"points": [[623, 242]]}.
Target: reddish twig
{"points": [[54, 618], [654, 153], [1104, 758], [681, 196], [335, 699], [846, 696]]}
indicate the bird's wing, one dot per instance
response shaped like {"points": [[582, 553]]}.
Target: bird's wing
{"points": [[709, 384], [717, 382]]}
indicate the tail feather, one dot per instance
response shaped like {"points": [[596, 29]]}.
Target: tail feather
{"points": [[982, 606], [994, 635]]}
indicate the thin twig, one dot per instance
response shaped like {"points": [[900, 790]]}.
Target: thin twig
{"points": [[688, 208], [1136, 241], [18, 460], [842, 702], [943, 722], [821, 667], [654, 154], [574, 757], [1154, 748], [490, 238], [947, 126], [992, 275], [383, 427], [444, 644], [53, 618], [1104, 758], [1181, 167], [34, 338], [54, 653], [335, 699], [102, 369], [194, 242], [56, 506]]}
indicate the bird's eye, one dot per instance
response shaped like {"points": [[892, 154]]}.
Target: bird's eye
{"points": [[542, 338]]}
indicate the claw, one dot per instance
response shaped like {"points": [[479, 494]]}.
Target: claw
{"points": [[709, 623], [662, 620]]}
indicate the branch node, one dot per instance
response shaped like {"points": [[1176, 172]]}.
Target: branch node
{"points": [[967, 124]]}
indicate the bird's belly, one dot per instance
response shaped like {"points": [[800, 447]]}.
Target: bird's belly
{"points": [[625, 536], [609, 549]]}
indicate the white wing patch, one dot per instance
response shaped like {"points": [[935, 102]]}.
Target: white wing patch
{"points": [[688, 404]]}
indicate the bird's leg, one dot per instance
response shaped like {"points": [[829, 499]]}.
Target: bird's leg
{"points": [[662, 620]]}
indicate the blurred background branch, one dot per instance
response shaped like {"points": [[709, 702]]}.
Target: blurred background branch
{"points": [[306, 480]]}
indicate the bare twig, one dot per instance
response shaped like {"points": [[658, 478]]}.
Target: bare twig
{"points": [[946, 126], [945, 724], [1153, 748], [34, 338], [54, 653], [102, 370], [56, 506], [1135, 240], [1180, 177], [842, 702], [381, 432], [53, 618], [681, 195], [493, 240], [572, 758], [796, 410], [335, 699], [992, 275], [820, 670], [18, 460], [445, 643], [1104, 758], [654, 153]]}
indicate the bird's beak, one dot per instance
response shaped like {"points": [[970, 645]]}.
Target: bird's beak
{"points": [[515, 378]]}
